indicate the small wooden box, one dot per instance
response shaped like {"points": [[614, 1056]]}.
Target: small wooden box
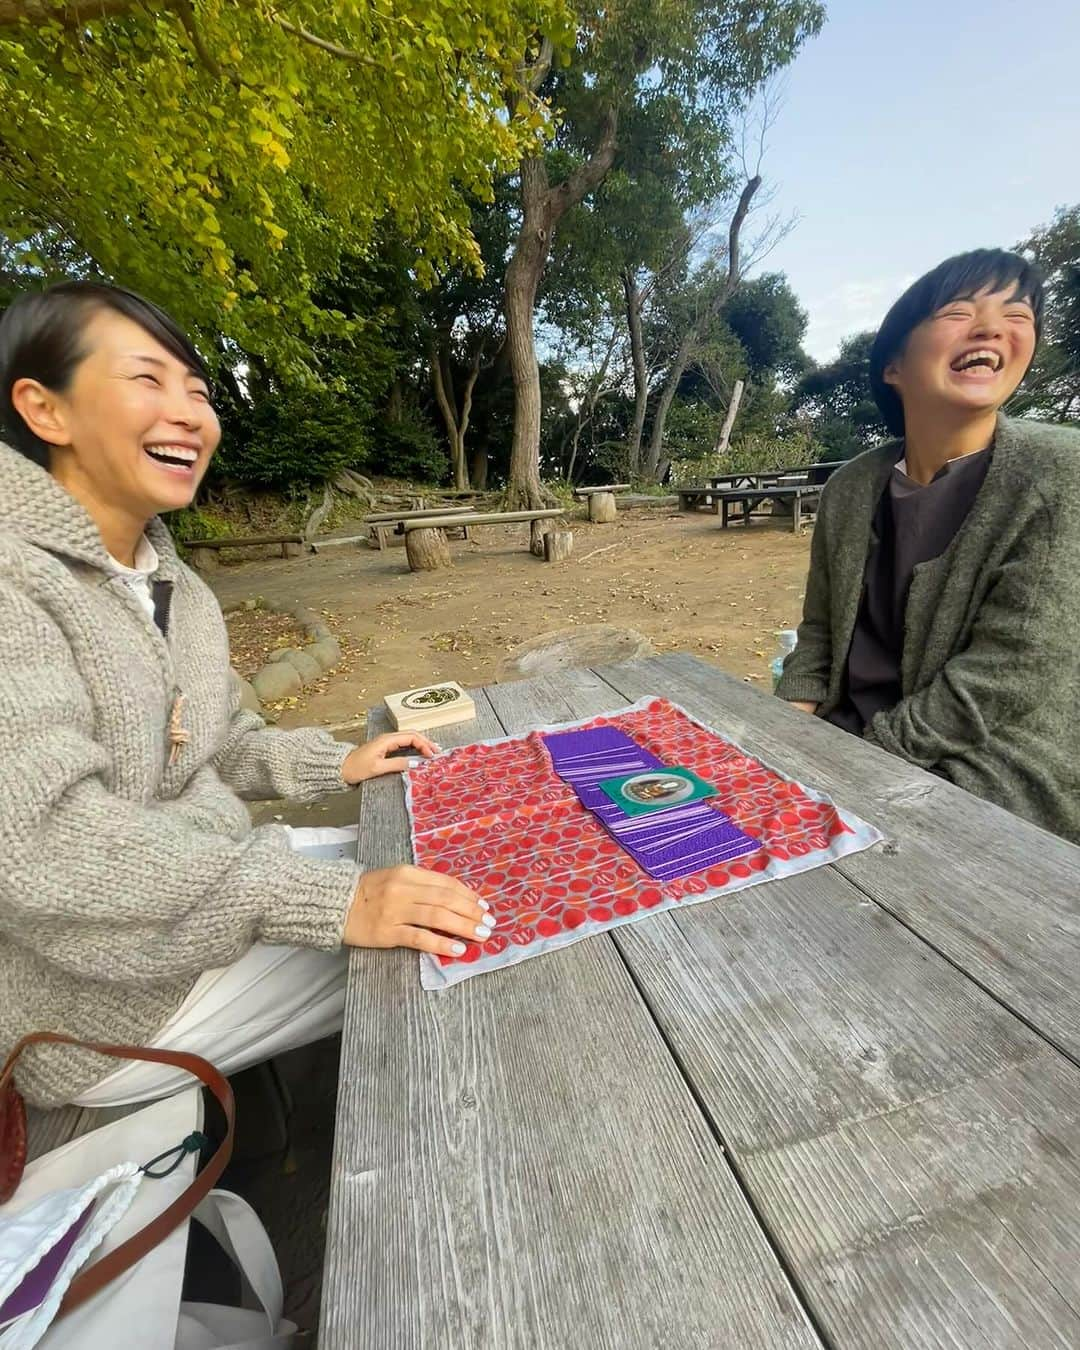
{"points": [[432, 705]]}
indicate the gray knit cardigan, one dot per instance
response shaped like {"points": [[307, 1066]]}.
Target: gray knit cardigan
{"points": [[991, 661], [122, 877]]}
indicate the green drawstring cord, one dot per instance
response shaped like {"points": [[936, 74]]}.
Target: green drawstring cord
{"points": [[194, 1143]]}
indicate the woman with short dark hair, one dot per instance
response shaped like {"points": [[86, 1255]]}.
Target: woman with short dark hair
{"points": [[137, 904], [942, 611]]}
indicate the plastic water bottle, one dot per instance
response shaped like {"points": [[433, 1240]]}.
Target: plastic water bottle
{"points": [[787, 639]]}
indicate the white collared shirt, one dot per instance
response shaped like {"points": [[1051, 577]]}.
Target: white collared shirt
{"points": [[139, 576]]}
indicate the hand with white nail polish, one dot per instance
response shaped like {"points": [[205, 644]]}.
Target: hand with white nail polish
{"points": [[382, 755], [410, 907]]}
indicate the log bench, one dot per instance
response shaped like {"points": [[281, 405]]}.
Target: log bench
{"points": [[203, 550], [425, 539], [382, 525], [601, 500]]}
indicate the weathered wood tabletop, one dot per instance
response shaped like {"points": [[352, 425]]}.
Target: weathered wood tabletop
{"points": [[837, 1110]]}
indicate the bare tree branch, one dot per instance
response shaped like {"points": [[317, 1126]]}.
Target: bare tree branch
{"points": [[187, 18], [332, 48]]}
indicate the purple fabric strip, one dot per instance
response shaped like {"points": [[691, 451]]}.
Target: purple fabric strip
{"points": [[30, 1292], [666, 844]]}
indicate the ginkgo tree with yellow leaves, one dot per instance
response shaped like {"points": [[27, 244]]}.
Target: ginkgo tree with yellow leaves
{"points": [[220, 155]]}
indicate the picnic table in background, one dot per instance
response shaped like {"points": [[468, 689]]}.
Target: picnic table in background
{"points": [[841, 1109], [710, 494], [801, 496]]}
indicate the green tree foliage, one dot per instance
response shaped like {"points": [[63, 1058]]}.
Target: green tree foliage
{"points": [[702, 58], [766, 317], [293, 438], [837, 399], [222, 157], [1052, 388]]}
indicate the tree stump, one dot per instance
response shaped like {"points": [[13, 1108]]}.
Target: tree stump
{"points": [[602, 507], [538, 530], [558, 545], [427, 550]]}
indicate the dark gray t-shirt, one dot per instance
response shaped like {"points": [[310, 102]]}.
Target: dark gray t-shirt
{"points": [[913, 524]]}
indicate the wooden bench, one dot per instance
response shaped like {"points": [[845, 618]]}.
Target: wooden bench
{"points": [[694, 498], [802, 496], [425, 539], [583, 493], [203, 550], [382, 524]]}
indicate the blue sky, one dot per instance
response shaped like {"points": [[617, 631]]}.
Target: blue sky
{"points": [[910, 131]]}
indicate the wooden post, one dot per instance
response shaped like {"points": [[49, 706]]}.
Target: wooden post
{"points": [[427, 550], [538, 530], [729, 420], [558, 545], [602, 510]]}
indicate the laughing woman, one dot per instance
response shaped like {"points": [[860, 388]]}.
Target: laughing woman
{"points": [[137, 904], [942, 615]]}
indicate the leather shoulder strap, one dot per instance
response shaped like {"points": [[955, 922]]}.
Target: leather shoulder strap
{"points": [[86, 1284]]}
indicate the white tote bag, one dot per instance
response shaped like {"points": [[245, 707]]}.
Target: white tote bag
{"points": [[147, 1296]]}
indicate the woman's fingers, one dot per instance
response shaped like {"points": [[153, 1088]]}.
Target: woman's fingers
{"points": [[410, 740], [443, 920], [424, 941], [454, 892]]}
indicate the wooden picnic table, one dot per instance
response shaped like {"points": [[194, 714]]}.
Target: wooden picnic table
{"points": [[767, 477], [802, 496], [838, 1110]]}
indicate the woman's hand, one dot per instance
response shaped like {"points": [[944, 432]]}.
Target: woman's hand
{"points": [[804, 707], [410, 907], [375, 757]]}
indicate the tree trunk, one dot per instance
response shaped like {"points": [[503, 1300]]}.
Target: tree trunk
{"points": [[315, 520], [543, 206], [602, 508], [427, 550], [394, 401], [480, 469], [523, 490], [692, 335], [442, 381], [641, 377], [729, 418], [667, 395], [537, 530]]}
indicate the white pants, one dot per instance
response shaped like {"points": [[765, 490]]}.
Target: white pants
{"points": [[271, 1000]]}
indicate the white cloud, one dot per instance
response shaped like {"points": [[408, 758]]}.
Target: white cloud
{"points": [[849, 308]]}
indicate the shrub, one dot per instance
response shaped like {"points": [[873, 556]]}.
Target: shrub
{"points": [[294, 439], [407, 448]]}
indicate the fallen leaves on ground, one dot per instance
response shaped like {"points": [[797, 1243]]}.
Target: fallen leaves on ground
{"points": [[255, 634]]}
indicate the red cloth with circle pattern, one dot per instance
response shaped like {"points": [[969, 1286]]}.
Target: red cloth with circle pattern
{"points": [[498, 818]]}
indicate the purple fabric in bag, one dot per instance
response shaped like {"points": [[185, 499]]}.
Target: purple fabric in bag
{"points": [[30, 1293]]}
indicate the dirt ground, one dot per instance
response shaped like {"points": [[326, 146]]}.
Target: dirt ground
{"points": [[679, 579]]}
